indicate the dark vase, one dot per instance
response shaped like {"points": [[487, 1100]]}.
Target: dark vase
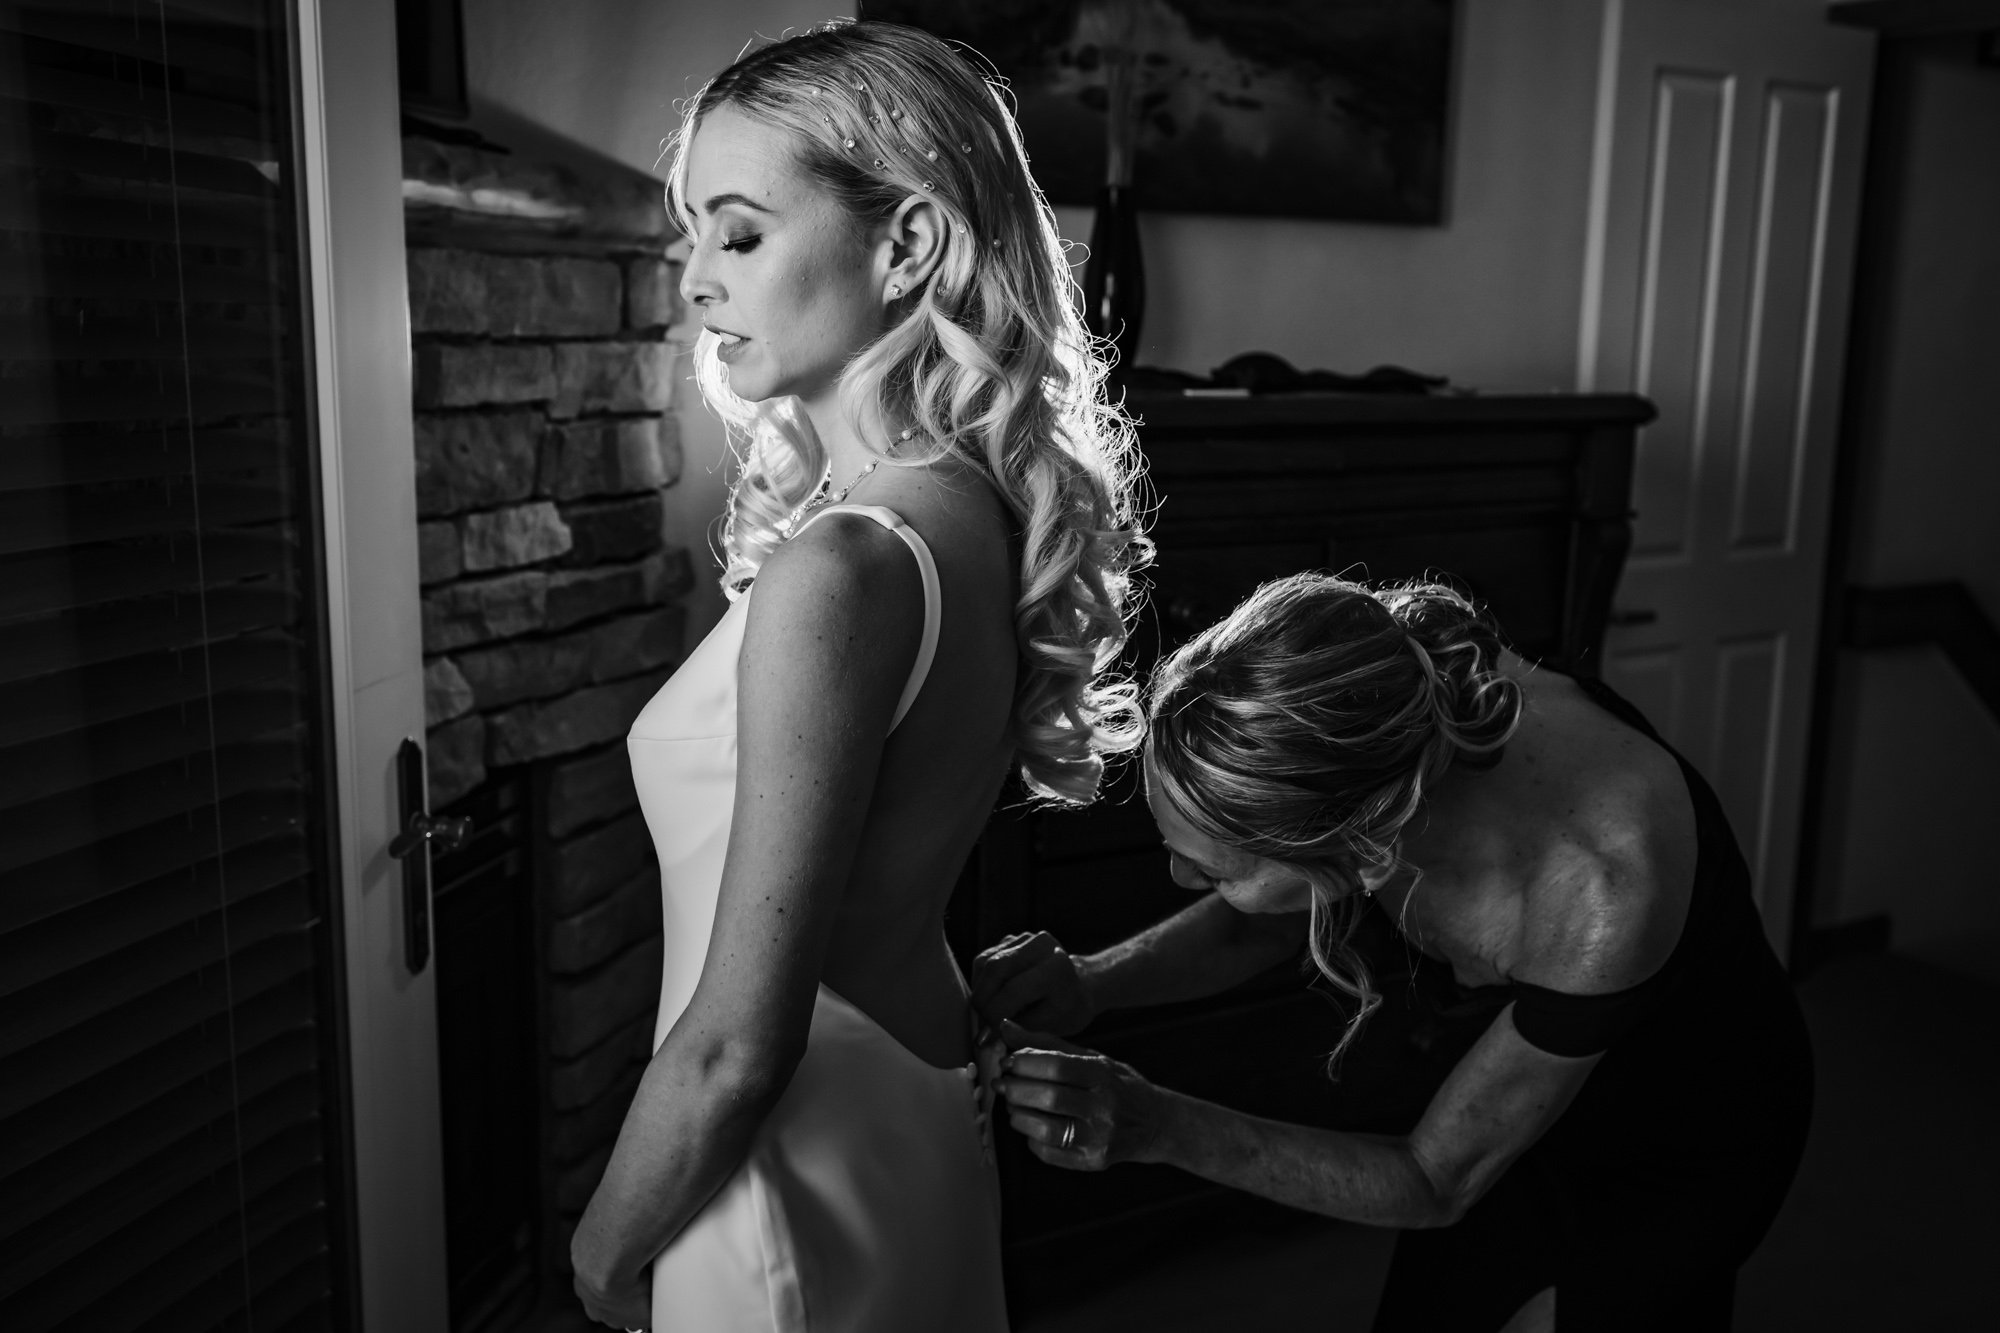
{"points": [[1114, 281]]}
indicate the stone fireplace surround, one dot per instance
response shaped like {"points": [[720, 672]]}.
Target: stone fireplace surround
{"points": [[540, 295]]}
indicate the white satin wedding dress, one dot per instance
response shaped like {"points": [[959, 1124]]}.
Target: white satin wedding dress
{"points": [[869, 1201]]}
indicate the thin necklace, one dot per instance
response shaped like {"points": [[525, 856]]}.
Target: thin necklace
{"points": [[819, 498]]}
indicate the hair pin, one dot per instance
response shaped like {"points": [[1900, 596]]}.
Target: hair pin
{"points": [[847, 143], [928, 185], [895, 113], [966, 146], [931, 154]]}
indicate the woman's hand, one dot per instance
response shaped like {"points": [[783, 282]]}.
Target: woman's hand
{"points": [[620, 1299], [1032, 978], [1078, 1109]]}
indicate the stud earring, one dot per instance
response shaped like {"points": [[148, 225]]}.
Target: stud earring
{"points": [[895, 290]]}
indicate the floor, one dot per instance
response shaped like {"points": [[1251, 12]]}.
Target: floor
{"points": [[1892, 1222]]}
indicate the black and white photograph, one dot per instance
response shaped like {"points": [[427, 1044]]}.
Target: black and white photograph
{"points": [[999, 666]]}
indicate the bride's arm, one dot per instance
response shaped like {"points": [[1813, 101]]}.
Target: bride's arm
{"points": [[833, 631]]}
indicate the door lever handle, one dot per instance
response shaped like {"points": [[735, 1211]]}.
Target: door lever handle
{"points": [[444, 835], [420, 833]]}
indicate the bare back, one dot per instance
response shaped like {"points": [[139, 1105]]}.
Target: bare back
{"points": [[1569, 865], [941, 771]]}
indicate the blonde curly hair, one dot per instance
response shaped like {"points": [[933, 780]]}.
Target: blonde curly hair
{"points": [[1309, 725], [988, 361]]}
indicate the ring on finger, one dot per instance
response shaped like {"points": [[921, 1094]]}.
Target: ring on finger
{"points": [[1069, 1133]]}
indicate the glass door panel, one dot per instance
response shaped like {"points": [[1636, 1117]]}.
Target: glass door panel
{"points": [[171, 1151]]}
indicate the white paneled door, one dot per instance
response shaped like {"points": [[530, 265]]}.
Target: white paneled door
{"points": [[1725, 193]]}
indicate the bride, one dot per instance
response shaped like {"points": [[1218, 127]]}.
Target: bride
{"points": [[928, 548]]}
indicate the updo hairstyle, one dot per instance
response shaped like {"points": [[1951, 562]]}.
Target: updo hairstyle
{"points": [[987, 361], [1308, 726]]}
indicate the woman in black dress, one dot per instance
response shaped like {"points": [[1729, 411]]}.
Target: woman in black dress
{"points": [[1617, 1138]]}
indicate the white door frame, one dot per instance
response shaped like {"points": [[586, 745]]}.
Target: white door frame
{"points": [[351, 194]]}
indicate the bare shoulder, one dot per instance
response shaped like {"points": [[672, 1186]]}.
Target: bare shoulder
{"points": [[1618, 867], [844, 573], [952, 504]]}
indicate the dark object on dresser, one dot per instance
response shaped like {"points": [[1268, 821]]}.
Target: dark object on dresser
{"points": [[1262, 373], [1523, 500]]}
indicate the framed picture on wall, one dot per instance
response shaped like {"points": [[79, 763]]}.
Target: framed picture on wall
{"points": [[1297, 108]]}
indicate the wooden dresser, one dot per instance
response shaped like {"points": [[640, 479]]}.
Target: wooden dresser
{"points": [[1522, 499]]}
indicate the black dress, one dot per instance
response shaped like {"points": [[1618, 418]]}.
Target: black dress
{"points": [[1641, 1201]]}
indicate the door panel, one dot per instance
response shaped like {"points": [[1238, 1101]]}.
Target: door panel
{"points": [[173, 1114], [1787, 287], [1749, 675], [1729, 174], [1691, 130]]}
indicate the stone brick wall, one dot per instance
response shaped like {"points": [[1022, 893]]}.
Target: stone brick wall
{"points": [[550, 600]]}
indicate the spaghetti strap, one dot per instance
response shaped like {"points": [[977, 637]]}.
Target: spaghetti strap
{"points": [[933, 598]]}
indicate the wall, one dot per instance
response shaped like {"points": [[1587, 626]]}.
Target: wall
{"points": [[1490, 298], [1919, 758], [607, 74]]}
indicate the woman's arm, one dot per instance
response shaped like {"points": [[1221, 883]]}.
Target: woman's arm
{"points": [[1203, 949], [833, 629], [1502, 1096]]}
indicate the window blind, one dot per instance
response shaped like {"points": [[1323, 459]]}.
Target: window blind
{"points": [[171, 1150]]}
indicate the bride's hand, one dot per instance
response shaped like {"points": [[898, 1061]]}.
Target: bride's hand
{"points": [[1077, 1109], [620, 1300], [1032, 978]]}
